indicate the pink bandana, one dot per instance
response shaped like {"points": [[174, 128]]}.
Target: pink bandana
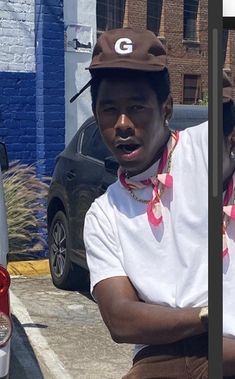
{"points": [[229, 211], [161, 179]]}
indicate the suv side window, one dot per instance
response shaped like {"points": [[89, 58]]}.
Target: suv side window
{"points": [[93, 145]]}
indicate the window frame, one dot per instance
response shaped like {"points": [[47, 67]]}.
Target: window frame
{"points": [[158, 13], [117, 14], [80, 143], [186, 36]]}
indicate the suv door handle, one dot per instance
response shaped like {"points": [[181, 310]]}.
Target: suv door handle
{"points": [[70, 175]]}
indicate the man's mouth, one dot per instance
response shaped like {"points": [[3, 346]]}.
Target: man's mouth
{"points": [[128, 148]]}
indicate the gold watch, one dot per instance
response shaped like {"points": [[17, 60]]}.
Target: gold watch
{"points": [[203, 315]]}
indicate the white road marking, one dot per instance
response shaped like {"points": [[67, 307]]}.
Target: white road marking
{"points": [[25, 360], [38, 342], [54, 293]]}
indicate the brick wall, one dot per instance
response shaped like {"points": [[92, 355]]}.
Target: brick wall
{"points": [[229, 63], [183, 57], [50, 112], [17, 115], [32, 120], [135, 14], [17, 35], [32, 103], [17, 79]]}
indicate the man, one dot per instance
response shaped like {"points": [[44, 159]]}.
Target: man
{"points": [[146, 237], [228, 229]]}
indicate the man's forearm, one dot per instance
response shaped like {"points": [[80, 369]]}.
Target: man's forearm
{"points": [[130, 320], [228, 356], [154, 324]]}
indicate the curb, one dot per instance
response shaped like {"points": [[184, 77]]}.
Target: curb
{"points": [[29, 268]]}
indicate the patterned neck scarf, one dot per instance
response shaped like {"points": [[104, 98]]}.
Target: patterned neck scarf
{"points": [[158, 183], [228, 211]]}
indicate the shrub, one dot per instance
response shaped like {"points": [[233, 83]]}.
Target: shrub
{"points": [[25, 196], [204, 100]]}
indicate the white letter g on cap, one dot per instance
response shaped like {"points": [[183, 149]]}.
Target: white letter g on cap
{"points": [[123, 46]]}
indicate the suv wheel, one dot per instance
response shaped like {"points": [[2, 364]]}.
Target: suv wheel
{"points": [[65, 274]]}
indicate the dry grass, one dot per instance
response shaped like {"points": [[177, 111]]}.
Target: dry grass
{"points": [[25, 196]]}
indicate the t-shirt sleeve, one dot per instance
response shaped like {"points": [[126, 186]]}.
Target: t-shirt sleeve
{"points": [[103, 253]]}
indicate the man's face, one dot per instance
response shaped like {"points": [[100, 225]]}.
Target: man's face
{"points": [[132, 122]]}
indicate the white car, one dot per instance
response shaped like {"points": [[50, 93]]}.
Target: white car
{"points": [[5, 317]]}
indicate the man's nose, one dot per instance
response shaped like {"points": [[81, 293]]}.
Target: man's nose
{"points": [[124, 124]]}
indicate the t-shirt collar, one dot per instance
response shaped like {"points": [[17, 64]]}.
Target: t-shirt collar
{"points": [[150, 172]]}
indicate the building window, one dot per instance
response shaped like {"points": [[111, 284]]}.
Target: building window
{"points": [[190, 19], [154, 12], [109, 14], [192, 89]]}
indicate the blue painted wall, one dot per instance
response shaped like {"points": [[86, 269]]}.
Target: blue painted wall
{"points": [[50, 107], [32, 109], [17, 115]]}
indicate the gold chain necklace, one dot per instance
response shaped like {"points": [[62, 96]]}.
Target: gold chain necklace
{"points": [[131, 192]]}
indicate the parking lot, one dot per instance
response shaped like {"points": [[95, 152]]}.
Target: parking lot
{"points": [[60, 334]]}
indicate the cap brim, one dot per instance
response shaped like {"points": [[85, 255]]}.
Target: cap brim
{"points": [[80, 92], [122, 65], [127, 66]]}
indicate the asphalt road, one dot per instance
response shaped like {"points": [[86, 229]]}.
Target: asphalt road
{"points": [[60, 335]]}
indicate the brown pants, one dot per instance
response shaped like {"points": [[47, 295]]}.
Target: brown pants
{"points": [[186, 359]]}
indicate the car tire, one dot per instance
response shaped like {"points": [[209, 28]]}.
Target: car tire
{"points": [[65, 274]]}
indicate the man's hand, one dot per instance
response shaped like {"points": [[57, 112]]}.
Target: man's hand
{"points": [[228, 356], [130, 320]]}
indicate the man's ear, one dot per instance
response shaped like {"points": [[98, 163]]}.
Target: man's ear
{"points": [[167, 108]]}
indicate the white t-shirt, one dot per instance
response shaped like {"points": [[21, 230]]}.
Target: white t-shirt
{"points": [[229, 283], [167, 264]]}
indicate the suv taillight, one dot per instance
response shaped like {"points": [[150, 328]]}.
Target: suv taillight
{"points": [[4, 280], [4, 287], [5, 320]]}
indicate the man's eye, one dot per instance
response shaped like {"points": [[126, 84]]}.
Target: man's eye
{"points": [[137, 107], [109, 109]]}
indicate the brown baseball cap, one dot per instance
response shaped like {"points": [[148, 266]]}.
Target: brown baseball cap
{"points": [[126, 49], [227, 88]]}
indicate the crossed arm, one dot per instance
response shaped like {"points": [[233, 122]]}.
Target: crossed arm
{"points": [[130, 320]]}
